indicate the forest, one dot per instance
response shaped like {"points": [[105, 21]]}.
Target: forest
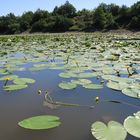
{"points": [[67, 18]]}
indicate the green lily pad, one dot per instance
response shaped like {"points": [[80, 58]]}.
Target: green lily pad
{"points": [[40, 65], [10, 77], [57, 68], [117, 79], [4, 72], [40, 122], [67, 85], [113, 131], [86, 75], [81, 81], [93, 86], [67, 74], [132, 124], [14, 87], [22, 81], [132, 92], [116, 85]]}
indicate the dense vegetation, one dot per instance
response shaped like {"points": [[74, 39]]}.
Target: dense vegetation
{"points": [[67, 18]]}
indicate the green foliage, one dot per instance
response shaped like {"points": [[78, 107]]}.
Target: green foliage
{"points": [[25, 21], [66, 10], [132, 124], [110, 132], [14, 87], [67, 85], [99, 20], [66, 18], [134, 23], [62, 24], [40, 122]]}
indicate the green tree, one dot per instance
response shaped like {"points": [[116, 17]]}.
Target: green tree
{"points": [[99, 18], [9, 24], [39, 26], [40, 14], [123, 18], [83, 20], [110, 22], [113, 9], [62, 24], [66, 10], [25, 21], [134, 23]]}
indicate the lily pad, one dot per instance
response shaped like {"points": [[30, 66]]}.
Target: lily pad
{"points": [[116, 85], [40, 122], [4, 72], [132, 92], [132, 124], [93, 86], [86, 75], [67, 85], [24, 81], [114, 131], [117, 79], [14, 87], [81, 81], [67, 74], [10, 77]]}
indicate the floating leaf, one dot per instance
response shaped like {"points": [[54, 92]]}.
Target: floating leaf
{"points": [[67, 74], [14, 87], [81, 81], [24, 81], [67, 85], [114, 131], [40, 122], [10, 77], [132, 124], [4, 72], [132, 92], [40, 65], [93, 86], [86, 75], [116, 85], [117, 79]]}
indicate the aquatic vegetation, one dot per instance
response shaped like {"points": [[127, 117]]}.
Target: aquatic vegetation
{"points": [[132, 92], [132, 124], [93, 86], [117, 85], [67, 85], [67, 74], [40, 122], [8, 77], [49, 102], [113, 131], [81, 81], [95, 61], [14, 87], [23, 81], [97, 99]]}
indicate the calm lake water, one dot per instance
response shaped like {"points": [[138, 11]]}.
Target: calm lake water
{"points": [[94, 52], [76, 121]]}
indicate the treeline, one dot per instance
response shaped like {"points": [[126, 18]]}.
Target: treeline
{"points": [[67, 18]]}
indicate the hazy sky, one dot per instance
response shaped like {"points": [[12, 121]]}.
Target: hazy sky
{"points": [[19, 6]]}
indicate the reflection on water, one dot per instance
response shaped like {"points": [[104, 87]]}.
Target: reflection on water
{"points": [[76, 121]]}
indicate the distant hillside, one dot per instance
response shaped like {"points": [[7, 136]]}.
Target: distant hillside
{"points": [[67, 18]]}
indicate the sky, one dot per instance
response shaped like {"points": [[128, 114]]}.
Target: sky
{"points": [[19, 6]]}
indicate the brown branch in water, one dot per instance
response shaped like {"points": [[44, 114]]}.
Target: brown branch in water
{"points": [[50, 101]]}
